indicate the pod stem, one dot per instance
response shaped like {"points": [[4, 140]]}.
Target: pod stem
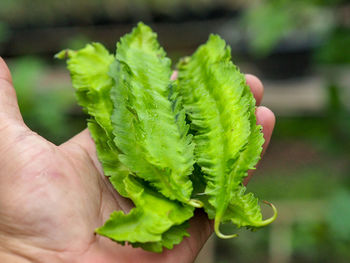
{"points": [[271, 219], [217, 230], [195, 203]]}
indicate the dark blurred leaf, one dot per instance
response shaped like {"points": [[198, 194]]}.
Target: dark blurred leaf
{"points": [[4, 32], [285, 24], [267, 24], [336, 49]]}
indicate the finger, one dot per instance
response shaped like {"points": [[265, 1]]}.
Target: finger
{"points": [[266, 119], [256, 87], [174, 75], [9, 110]]}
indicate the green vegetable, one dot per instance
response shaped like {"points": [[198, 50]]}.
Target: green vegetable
{"points": [[146, 112], [160, 217], [228, 142], [169, 146]]}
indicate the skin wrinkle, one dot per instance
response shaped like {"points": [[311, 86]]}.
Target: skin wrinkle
{"points": [[78, 255], [19, 249], [27, 163], [189, 247], [27, 234], [20, 138], [15, 133], [11, 230], [26, 175], [7, 256], [100, 212], [20, 170], [19, 255], [5, 126]]}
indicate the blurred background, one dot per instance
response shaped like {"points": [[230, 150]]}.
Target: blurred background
{"points": [[299, 49]]}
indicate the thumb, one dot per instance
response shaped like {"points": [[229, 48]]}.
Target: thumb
{"points": [[9, 110], [12, 126]]}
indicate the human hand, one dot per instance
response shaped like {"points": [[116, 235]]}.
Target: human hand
{"points": [[53, 197]]}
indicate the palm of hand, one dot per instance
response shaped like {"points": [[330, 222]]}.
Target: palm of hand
{"points": [[53, 197], [58, 197]]}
